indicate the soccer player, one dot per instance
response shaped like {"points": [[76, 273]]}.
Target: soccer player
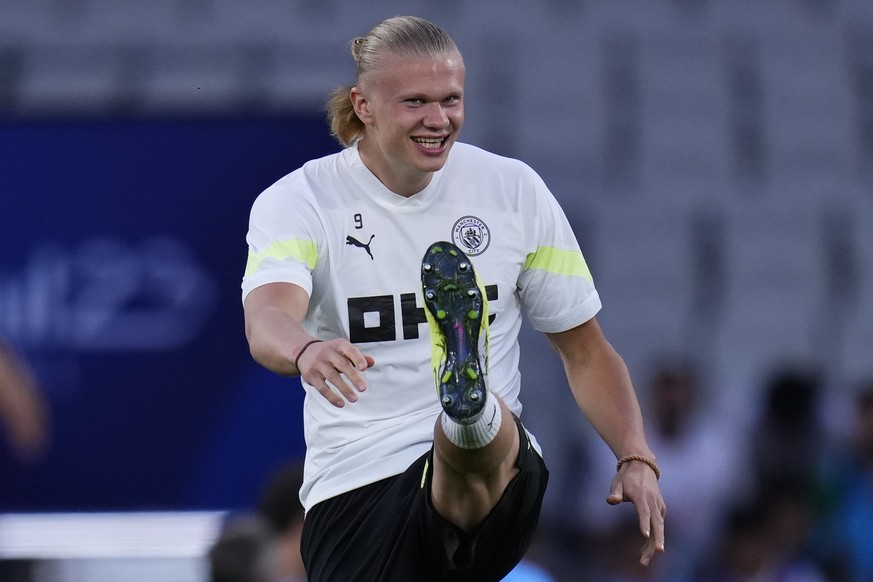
{"points": [[392, 277]]}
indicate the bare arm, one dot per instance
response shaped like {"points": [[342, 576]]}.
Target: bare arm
{"points": [[273, 319], [22, 407], [604, 392]]}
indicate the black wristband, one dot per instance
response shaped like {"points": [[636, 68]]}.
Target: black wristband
{"points": [[303, 349]]}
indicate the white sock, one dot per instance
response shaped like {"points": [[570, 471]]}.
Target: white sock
{"points": [[480, 432]]}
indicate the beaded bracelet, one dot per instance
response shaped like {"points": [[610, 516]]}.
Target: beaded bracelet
{"points": [[641, 459], [303, 349]]}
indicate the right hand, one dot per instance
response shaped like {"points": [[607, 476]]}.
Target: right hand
{"points": [[334, 368]]}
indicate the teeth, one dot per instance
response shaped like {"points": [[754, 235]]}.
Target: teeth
{"points": [[428, 142]]}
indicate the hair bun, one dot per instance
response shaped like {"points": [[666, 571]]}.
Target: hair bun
{"points": [[357, 45]]}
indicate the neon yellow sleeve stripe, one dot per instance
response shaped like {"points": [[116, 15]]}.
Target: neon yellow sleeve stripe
{"points": [[300, 249], [558, 261]]}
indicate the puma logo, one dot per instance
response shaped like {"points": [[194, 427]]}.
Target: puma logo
{"points": [[350, 240]]}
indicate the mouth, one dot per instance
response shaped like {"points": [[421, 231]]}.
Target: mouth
{"points": [[431, 143]]}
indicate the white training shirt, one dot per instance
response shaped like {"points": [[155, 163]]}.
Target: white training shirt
{"points": [[332, 228]]}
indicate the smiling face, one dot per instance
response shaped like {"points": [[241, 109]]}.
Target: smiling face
{"points": [[412, 109]]}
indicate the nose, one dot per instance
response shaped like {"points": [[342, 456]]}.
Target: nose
{"points": [[435, 116]]}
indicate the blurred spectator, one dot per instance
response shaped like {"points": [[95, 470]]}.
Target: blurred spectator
{"points": [[790, 513], [281, 508], [789, 440], [845, 529], [264, 545], [616, 550], [699, 455], [245, 551], [743, 551], [702, 471], [22, 408], [767, 540]]}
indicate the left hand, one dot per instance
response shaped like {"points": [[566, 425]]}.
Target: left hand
{"points": [[636, 482]]}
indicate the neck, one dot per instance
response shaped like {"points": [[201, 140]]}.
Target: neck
{"points": [[401, 183]]}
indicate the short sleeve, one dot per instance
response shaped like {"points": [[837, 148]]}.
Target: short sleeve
{"points": [[283, 241], [556, 286]]}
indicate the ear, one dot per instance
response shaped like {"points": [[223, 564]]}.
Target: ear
{"points": [[361, 105]]}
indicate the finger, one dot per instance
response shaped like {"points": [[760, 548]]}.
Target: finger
{"points": [[655, 539], [354, 363], [647, 552], [350, 375], [645, 517], [328, 393], [336, 380], [327, 377], [659, 529], [351, 371], [616, 493], [358, 360], [362, 361]]}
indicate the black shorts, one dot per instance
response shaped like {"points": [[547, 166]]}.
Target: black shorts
{"points": [[389, 531]]}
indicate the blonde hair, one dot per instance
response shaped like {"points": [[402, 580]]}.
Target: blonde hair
{"points": [[402, 35]]}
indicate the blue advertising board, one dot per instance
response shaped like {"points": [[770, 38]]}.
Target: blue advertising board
{"points": [[122, 245]]}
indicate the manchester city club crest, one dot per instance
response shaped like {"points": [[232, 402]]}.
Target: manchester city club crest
{"points": [[471, 235]]}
